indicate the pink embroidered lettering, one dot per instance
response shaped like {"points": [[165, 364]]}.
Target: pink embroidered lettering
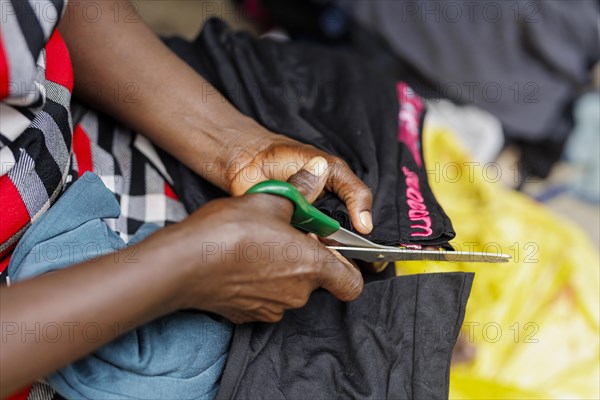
{"points": [[417, 208], [414, 194], [411, 108], [426, 228], [415, 205], [417, 214]]}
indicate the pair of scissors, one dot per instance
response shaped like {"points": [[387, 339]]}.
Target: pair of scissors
{"points": [[310, 219]]}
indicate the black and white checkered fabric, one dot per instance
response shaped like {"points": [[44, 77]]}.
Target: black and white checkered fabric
{"points": [[130, 167]]}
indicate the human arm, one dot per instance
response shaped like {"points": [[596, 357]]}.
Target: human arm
{"points": [[117, 58], [203, 262]]}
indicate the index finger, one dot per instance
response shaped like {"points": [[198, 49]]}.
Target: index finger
{"points": [[354, 193]]}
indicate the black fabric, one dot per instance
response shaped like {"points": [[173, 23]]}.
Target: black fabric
{"points": [[328, 99], [393, 342], [396, 340]]}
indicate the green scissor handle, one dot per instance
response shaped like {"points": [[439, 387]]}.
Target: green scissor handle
{"points": [[305, 215]]}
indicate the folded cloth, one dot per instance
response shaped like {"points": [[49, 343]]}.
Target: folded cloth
{"points": [[178, 356], [394, 342], [335, 102]]}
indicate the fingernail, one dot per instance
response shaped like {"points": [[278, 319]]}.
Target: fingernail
{"points": [[317, 166], [365, 219]]}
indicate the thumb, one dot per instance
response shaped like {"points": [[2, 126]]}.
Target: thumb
{"points": [[311, 179], [338, 276]]}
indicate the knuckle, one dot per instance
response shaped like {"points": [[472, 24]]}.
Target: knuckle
{"points": [[359, 194], [315, 272], [251, 307], [339, 163], [345, 179], [340, 170], [362, 191], [303, 181], [276, 317], [299, 301]]}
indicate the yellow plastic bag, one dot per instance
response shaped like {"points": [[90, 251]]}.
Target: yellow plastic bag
{"points": [[534, 322]]}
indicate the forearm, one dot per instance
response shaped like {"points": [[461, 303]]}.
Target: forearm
{"points": [[123, 69], [59, 317]]}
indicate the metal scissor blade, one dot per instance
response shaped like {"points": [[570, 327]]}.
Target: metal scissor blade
{"points": [[348, 238], [387, 253]]}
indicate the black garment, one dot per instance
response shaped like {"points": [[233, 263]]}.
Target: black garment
{"points": [[393, 342], [325, 98], [396, 340]]}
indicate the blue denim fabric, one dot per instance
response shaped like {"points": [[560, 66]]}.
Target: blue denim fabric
{"points": [[180, 356]]}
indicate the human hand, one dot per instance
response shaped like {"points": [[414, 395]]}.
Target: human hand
{"points": [[275, 156], [253, 265]]}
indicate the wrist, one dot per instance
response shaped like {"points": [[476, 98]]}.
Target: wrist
{"points": [[177, 259]]}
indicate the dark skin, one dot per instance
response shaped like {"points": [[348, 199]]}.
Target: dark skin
{"points": [[182, 113], [171, 272], [185, 265]]}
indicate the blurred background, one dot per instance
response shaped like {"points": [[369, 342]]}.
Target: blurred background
{"points": [[512, 144]]}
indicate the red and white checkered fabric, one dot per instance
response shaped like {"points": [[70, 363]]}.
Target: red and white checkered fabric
{"points": [[36, 81]]}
